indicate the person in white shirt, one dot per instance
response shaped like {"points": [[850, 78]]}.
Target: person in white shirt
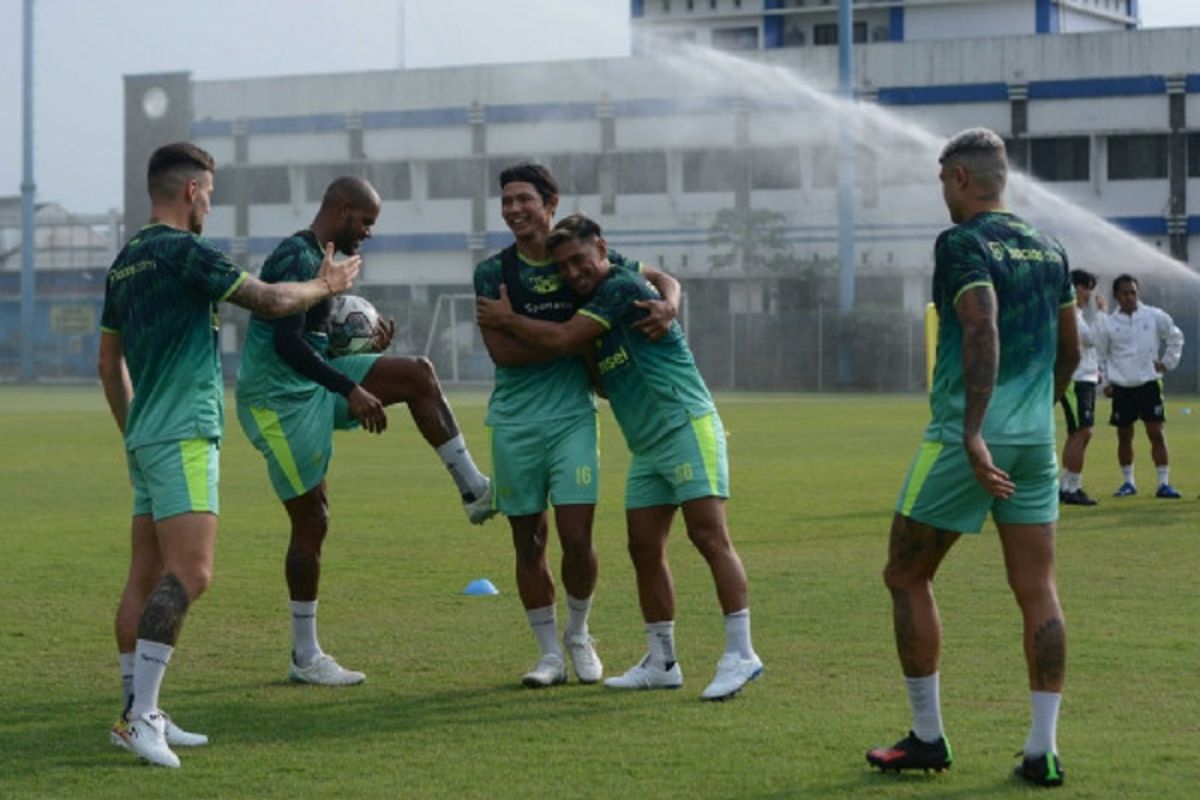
{"points": [[1136, 346], [1079, 401]]}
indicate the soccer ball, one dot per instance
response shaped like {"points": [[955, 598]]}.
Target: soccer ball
{"points": [[352, 323]]}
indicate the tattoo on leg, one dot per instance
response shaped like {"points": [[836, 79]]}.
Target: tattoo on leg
{"points": [[1049, 653], [163, 614]]}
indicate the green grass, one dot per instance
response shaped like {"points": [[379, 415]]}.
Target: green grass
{"points": [[442, 714]]}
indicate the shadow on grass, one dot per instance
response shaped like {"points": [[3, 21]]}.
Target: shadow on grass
{"points": [[60, 735]]}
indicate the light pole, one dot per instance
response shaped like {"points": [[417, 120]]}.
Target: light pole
{"points": [[28, 235], [846, 169]]}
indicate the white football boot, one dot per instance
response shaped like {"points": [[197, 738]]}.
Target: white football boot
{"points": [[645, 675], [550, 670], [733, 672], [148, 738], [324, 671], [582, 650]]}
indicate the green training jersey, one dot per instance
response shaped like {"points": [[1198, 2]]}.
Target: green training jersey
{"points": [[1029, 273], [653, 387], [160, 296], [551, 390], [265, 379]]}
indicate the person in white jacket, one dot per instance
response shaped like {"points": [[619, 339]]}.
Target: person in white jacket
{"points": [[1079, 401], [1136, 346]]}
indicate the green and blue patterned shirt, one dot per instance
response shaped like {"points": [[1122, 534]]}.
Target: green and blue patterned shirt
{"points": [[265, 379], [554, 389], [161, 297], [653, 387], [1029, 273]]}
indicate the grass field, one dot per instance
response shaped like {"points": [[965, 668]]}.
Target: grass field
{"points": [[442, 713]]}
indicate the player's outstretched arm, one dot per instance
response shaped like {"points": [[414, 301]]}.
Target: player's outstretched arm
{"points": [[571, 337], [1067, 357], [976, 309], [659, 313], [271, 300], [114, 377]]}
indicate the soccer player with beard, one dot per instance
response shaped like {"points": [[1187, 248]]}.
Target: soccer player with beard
{"points": [[160, 367], [291, 396]]}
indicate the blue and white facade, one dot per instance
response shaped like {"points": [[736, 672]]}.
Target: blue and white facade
{"points": [[654, 145], [775, 24]]}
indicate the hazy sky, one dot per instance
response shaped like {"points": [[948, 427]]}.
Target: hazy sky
{"points": [[84, 47]]}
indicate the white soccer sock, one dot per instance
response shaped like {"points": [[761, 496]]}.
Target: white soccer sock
{"points": [[737, 633], [304, 632], [545, 628], [1072, 481], [925, 699], [151, 659], [1164, 475], [457, 458], [127, 661], [1127, 473], [577, 616], [660, 636], [1043, 730]]}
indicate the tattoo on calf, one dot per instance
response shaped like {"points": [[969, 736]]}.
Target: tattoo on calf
{"points": [[163, 614], [1049, 653]]}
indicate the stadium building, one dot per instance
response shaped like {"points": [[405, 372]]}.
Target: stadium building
{"points": [[723, 173]]}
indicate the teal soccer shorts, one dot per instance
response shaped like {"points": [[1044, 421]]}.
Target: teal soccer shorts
{"points": [[688, 463], [171, 478], [296, 437], [941, 489], [558, 459]]}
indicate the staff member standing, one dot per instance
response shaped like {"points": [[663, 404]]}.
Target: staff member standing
{"points": [[1137, 345]]}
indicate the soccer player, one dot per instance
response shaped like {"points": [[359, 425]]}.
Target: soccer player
{"points": [[291, 396], [1079, 401], [1007, 347], [1138, 344], [160, 368], [671, 427], [542, 417]]}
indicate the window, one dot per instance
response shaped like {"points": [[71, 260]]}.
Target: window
{"points": [[1062, 158], [1015, 148], [775, 168], [392, 179], [576, 173], [795, 30], [642, 173], [745, 38], [267, 185], [317, 177], [827, 33], [453, 178], [1134, 157], [907, 164], [1193, 155], [710, 171], [825, 167]]}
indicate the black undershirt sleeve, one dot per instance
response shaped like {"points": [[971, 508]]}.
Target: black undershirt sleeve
{"points": [[298, 354]]}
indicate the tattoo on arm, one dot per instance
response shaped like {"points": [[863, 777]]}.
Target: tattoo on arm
{"points": [[164, 612], [1049, 654], [273, 300], [976, 309]]}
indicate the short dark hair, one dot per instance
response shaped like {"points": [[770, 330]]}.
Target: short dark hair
{"points": [[1123, 278], [578, 227], [1081, 277], [531, 173], [174, 164], [981, 152]]}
